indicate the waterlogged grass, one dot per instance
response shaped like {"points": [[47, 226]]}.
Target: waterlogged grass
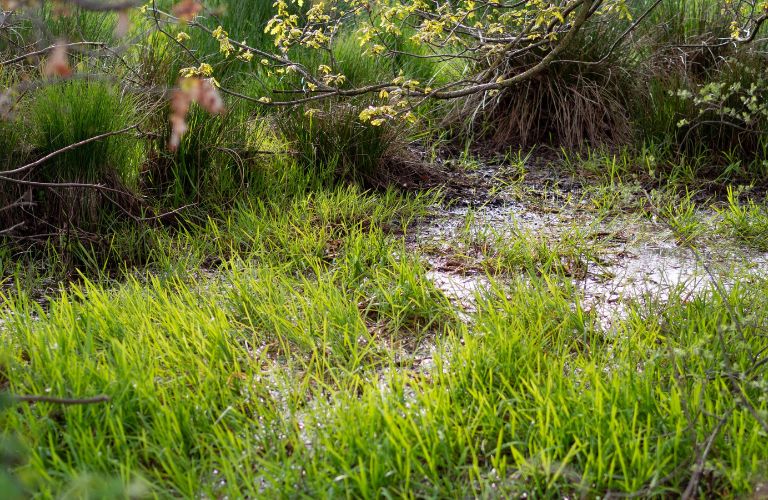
{"points": [[314, 358], [683, 218], [508, 249], [747, 222]]}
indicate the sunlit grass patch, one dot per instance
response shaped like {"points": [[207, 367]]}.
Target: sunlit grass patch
{"points": [[747, 222], [536, 400], [684, 219], [289, 369], [319, 294]]}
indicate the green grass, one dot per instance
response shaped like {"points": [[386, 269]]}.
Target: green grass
{"points": [[281, 339], [683, 219], [57, 116], [505, 250], [68, 112], [747, 222], [332, 143], [291, 367], [79, 25], [205, 166]]}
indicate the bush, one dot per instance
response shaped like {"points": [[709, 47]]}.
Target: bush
{"points": [[718, 116], [684, 62], [641, 92]]}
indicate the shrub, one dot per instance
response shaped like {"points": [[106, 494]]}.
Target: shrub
{"points": [[719, 116], [688, 72]]}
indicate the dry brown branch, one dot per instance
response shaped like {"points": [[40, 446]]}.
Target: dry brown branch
{"points": [[49, 49], [11, 229]]}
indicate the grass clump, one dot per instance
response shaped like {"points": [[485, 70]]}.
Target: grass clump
{"points": [[570, 105], [207, 166], [683, 218], [507, 250], [66, 113], [56, 117], [79, 24], [333, 143], [10, 142], [747, 222]]}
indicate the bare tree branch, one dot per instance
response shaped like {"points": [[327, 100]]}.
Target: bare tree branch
{"points": [[62, 401], [50, 48], [47, 157]]}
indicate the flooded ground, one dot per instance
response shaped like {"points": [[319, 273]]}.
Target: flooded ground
{"points": [[622, 257]]}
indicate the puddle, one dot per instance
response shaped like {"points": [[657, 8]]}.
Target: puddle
{"points": [[637, 258]]}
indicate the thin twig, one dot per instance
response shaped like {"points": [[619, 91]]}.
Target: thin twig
{"points": [[10, 229], [62, 401], [50, 48], [693, 484], [47, 157]]}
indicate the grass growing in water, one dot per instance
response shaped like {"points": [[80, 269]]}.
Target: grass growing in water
{"points": [[747, 222]]}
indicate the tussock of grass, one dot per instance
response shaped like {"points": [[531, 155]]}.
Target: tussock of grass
{"points": [[209, 164], [59, 115], [747, 222], [69, 112], [80, 24], [683, 218], [333, 144]]}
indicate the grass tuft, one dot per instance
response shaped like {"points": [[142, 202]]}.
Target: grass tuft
{"points": [[747, 222]]}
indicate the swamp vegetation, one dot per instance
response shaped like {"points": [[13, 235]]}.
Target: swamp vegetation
{"points": [[370, 249]]}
